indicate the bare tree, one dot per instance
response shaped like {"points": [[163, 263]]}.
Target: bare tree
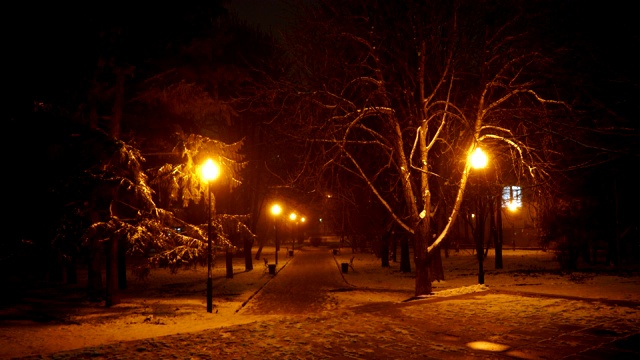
{"points": [[399, 95]]}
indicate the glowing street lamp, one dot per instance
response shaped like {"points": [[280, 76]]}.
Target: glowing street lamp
{"points": [[276, 210], [479, 161], [210, 172]]}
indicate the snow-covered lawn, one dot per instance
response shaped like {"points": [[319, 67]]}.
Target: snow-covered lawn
{"points": [[523, 270], [166, 303]]}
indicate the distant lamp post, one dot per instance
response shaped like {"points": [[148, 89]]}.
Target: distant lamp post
{"points": [[293, 217], [276, 210], [479, 161], [210, 172]]}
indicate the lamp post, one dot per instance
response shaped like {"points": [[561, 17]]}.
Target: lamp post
{"points": [[293, 217], [479, 161], [210, 172], [276, 210]]}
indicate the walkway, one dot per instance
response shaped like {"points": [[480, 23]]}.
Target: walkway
{"points": [[300, 287]]}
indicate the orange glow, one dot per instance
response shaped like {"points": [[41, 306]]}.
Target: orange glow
{"points": [[487, 346], [479, 159], [276, 210], [210, 170]]}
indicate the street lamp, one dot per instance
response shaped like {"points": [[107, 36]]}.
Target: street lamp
{"points": [[293, 217], [276, 210], [479, 161], [210, 172]]}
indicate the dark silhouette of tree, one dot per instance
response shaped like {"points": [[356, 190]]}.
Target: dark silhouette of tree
{"points": [[581, 216], [155, 83]]}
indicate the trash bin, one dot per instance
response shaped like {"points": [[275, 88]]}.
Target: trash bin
{"points": [[290, 252], [345, 267], [272, 269], [335, 251]]}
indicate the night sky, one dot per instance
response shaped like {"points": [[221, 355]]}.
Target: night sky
{"points": [[268, 14]]}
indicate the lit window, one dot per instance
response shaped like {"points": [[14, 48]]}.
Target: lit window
{"points": [[512, 197]]}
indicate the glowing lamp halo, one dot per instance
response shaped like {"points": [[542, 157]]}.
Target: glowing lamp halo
{"points": [[210, 170], [513, 205], [479, 159], [276, 209]]}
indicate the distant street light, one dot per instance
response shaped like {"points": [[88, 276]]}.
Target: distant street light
{"points": [[293, 217], [479, 161], [210, 172], [276, 210]]}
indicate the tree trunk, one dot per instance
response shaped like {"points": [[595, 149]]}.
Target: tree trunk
{"points": [[445, 245], [112, 296], [248, 261], [229, 263], [436, 269], [259, 251], [384, 249], [94, 282], [394, 249], [122, 264], [466, 228], [493, 234], [423, 280], [499, 238], [422, 262]]}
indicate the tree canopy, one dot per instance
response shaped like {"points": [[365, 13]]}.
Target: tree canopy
{"points": [[397, 95]]}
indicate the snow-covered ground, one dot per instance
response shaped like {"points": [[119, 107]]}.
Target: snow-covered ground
{"points": [[523, 271], [166, 303]]}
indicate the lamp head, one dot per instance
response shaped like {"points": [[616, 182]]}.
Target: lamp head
{"points": [[478, 159], [210, 170], [276, 210]]}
